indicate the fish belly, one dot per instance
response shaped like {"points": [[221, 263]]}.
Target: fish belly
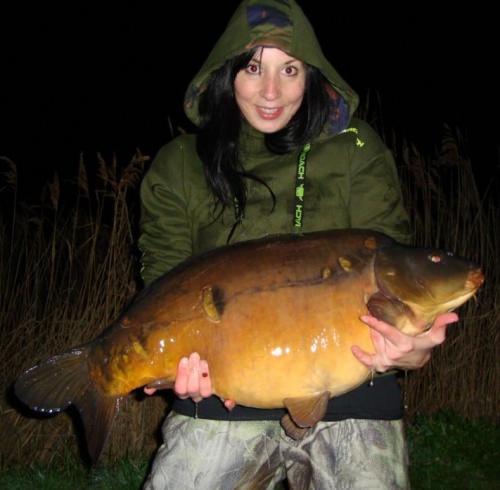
{"points": [[289, 342]]}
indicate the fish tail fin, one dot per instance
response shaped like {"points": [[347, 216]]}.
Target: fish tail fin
{"points": [[63, 380], [52, 385], [98, 414]]}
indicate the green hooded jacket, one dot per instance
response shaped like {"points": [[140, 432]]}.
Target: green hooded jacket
{"points": [[350, 182]]}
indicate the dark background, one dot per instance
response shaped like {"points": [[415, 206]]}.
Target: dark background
{"points": [[110, 77]]}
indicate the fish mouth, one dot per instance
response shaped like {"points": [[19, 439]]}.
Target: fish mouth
{"points": [[475, 280]]}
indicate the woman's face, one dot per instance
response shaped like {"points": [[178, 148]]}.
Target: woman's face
{"points": [[270, 89]]}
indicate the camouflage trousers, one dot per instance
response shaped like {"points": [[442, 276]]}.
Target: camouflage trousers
{"points": [[222, 455]]}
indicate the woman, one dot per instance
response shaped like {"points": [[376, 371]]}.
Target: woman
{"points": [[274, 115]]}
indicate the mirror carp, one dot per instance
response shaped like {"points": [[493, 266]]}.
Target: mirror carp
{"points": [[274, 317]]}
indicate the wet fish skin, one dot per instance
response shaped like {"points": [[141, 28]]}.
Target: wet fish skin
{"points": [[275, 318]]}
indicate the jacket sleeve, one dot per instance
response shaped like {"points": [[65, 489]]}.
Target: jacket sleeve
{"points": [[376, 199], [165, 228]]}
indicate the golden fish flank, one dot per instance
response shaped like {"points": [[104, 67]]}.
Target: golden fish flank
{"points": [[288, 320]]}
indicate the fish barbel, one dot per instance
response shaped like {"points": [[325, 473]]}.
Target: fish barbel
{"points": [[274, 317]]}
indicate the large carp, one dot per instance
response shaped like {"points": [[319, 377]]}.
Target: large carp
{"points": [[275, 318]]}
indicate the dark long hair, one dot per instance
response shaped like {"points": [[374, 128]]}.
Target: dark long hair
{"points": [[220, 123]]}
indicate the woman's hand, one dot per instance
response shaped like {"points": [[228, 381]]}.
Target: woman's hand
{"points": [[193, 380], [394, 349]]}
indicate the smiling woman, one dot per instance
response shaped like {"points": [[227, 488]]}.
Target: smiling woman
{"points": [[267, 103], [270, 90]]}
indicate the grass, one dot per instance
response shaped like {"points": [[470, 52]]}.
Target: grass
{"points": [[446, 452], [126, 474], [449, 452]]}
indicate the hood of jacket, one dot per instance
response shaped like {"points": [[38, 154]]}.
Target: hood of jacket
{"points": [[279, 24]]}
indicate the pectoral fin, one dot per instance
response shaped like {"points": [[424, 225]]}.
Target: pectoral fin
{"points": [[303, 413], [391, 311], [399, 314]]}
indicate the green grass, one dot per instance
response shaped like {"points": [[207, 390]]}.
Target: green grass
{"points": [[446, 452], [123, 475]]}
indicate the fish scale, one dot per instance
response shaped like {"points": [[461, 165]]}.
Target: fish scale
{"points": [[275, 318]]}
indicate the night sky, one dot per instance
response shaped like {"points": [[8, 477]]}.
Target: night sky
{"points": [[79, 76]]}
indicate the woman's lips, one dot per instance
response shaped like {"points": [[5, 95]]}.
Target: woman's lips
{"points": [[269, 113]]}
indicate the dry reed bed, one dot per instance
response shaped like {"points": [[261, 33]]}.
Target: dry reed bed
{"points": [[448, 210], [69, 266]]}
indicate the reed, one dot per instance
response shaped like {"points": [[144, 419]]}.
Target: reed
{"points": [[448, 210]]}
